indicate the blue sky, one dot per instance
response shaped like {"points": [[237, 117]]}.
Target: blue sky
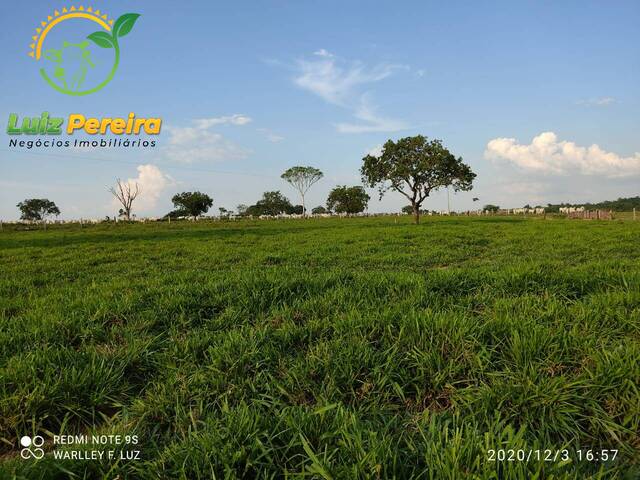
{"points": [[541, 98]]}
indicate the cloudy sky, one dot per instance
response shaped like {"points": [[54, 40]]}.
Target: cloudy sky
{"points": [[540, 98]]}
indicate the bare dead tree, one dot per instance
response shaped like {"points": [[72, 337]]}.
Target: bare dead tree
{"points": [[126, 193]]}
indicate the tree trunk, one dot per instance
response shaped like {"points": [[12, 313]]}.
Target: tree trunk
{"points": [[416, 213], [304, 209]]}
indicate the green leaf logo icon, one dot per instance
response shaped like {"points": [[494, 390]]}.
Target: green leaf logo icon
{"points": [[124, 24], [102, 39]]}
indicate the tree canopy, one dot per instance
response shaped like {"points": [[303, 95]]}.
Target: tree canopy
{"points": [[37, 209], [343, 199], [192, 204], [319, 210], [415, 167], [242, 209], [407, 209], [271, 203], [491, 208], [302, 178]]}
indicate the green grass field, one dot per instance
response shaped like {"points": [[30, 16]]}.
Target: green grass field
{"points": [[331, 348]]}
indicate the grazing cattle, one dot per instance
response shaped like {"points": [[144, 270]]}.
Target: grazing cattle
{"points": [[571, 209]]}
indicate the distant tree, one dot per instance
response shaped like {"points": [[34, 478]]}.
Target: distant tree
{"points": [[253, 211], [491, 208], [192, 204], [407, 210], [475, 199], [415, 167], [271, 203], [126, 193], [37, 210], [343, 199], [619, 205], [319, 210], [302, 178], [297, 210], [242, 209], [551, 208], [224, 212], [175, 214]]}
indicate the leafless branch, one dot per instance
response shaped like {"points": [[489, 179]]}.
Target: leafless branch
{"points": [[126, 193]]}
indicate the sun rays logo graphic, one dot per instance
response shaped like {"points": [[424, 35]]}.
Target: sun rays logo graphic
{"points": [[72, 65]]}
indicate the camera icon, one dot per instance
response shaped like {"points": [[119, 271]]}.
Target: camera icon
{"points": [[31, 447]]}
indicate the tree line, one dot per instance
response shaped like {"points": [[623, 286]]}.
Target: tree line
{"points": [[341, 199], [619, 205], [412, 166]]}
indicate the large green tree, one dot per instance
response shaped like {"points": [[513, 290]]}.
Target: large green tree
{"points": [[415, 167], [302, 178], [192, 204], [271, 203], [37, 210], [343, 199]]}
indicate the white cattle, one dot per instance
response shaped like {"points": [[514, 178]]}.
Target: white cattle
{"points": [[571, 209]]}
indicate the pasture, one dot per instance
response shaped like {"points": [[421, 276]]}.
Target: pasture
{"points": [[324, 348]]}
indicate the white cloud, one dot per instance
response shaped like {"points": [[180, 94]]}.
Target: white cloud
{"points": [[375, 151], [337, 84], [341, 83], [371, 121], [237, 119], [152, 182], [272, 137], [200, 143], [546, 154], [323, 53], [597, 102]]}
